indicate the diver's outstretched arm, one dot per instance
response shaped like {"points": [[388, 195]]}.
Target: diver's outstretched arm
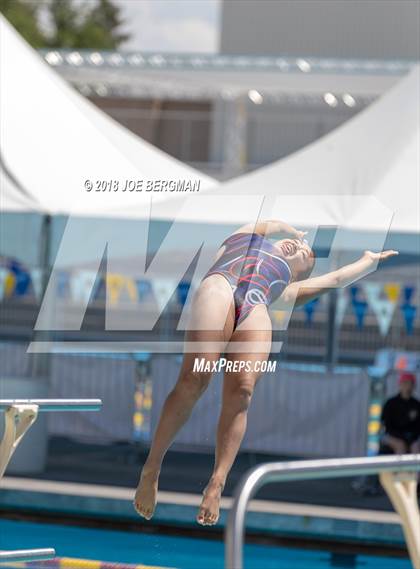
{"points": [[300, 292]]}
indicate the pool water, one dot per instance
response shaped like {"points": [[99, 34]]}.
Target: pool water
{"points": [[170, 551]]}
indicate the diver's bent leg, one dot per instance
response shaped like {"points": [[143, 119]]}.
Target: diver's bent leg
{"points": [[175, 412], [238, 389], [188, 389]]}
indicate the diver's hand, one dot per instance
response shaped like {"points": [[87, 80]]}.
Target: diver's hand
{"points": [[297, 234], [383, 256]]}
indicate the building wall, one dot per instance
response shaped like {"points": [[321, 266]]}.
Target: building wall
{"points": [[180, 128], [387, 29], [271, 131], [198, 132]]}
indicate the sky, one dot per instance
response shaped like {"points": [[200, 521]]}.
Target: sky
{"points": [[171, 25]]}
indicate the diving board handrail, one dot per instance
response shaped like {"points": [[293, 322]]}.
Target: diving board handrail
{"points": [[55, 404], [20, 414], [26, 554], [268, 473]]}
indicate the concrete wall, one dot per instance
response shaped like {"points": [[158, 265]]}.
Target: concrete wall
{"points": [[296, 410], [272, 131], [180, 128], [386, 29]]}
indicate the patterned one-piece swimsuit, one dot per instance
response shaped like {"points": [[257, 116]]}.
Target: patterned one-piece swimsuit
{"points": [[251, 265]]}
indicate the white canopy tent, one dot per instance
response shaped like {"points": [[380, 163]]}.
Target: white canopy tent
{"points": [[363, 176], [12, 197], [53, 140]]}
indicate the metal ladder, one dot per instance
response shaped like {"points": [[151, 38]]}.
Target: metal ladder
{"points": [[20, 414], [397, 475]]}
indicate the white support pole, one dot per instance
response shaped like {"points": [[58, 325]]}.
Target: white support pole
{"points": [[20, 414], [18, 419], [235, 143], [402, 491]]}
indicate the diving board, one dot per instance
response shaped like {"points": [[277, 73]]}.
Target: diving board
{"points": [[27, 554], [55, 404], [20, 415]]}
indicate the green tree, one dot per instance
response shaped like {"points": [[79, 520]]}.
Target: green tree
{"points": [[23, 15], [92, 25], [66, 22], [102, 27]]}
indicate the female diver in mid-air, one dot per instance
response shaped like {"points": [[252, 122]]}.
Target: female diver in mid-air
{"points": [[231, 306]]}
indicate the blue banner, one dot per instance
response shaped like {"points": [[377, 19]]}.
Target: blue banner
{"points": [[309, 309]]}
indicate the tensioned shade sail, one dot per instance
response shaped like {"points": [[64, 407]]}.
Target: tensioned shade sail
{"points": [[53, 140], [363, 176]]}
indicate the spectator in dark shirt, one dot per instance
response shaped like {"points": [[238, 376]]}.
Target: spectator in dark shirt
{"points": [[401, 418]]}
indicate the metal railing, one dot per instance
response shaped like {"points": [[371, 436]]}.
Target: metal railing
{"points": [[21, 555], [133, 60], [257, 477], [55, 404]]}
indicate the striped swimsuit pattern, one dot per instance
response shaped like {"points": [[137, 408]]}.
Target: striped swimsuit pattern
{"points": [[253, 268]]}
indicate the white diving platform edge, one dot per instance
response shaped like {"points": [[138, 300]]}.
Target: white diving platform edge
{"points": [[19, 415]]}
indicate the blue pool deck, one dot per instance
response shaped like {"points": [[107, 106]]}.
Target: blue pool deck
{"points": [[265, 517], [92, 482], [173, 551]]}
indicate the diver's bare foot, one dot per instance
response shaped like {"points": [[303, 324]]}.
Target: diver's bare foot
{"points": [[146, 493], [208, 513]]}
